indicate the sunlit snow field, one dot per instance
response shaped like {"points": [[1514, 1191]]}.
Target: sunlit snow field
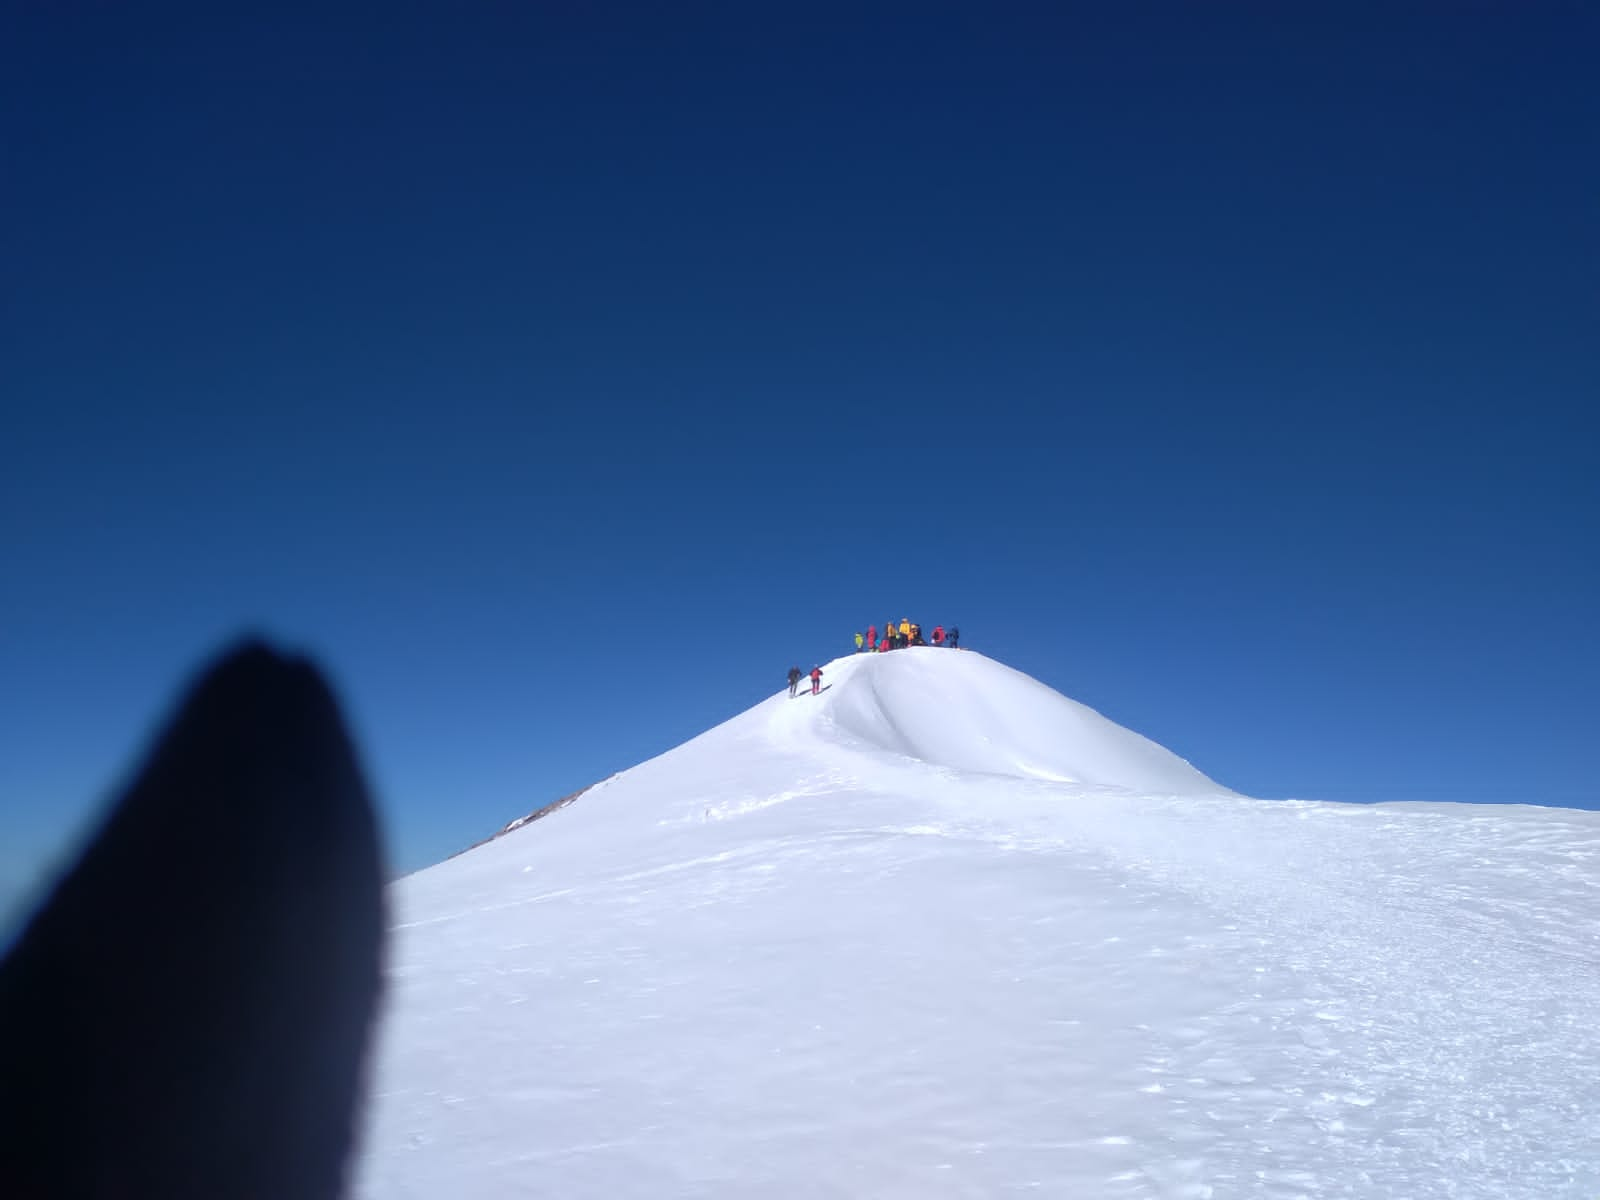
{"points": [[942, 932]]}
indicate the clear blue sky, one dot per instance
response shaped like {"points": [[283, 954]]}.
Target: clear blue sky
{"points": [[560, 378]]}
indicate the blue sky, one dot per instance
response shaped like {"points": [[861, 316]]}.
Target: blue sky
{"points": [[560, 379]]}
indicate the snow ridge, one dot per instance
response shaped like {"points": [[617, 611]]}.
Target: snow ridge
{"points": [[961, 710]]}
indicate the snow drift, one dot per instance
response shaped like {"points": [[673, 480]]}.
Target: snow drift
{"points": [[959, 709], [940, 931]]}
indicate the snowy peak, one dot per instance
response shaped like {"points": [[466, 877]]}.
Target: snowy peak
{"points": [[960, 710], [876, 718], [939, 931]]}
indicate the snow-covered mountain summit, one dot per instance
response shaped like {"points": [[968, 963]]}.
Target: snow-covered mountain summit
{"points": [[940, 931], [962, 710]]}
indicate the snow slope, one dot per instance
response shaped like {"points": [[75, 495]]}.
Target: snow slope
{"points": [[941, 932]]}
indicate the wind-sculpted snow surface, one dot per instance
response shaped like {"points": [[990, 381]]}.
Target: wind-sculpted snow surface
{"points": [[873, 944], [959, 709]]}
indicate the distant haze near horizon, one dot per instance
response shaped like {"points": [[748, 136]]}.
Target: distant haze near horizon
{"points": [[558, 376]]}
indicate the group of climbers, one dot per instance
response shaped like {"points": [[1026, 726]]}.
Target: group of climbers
{"points": [[795, 675], [906, 633], [895, 636]]}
